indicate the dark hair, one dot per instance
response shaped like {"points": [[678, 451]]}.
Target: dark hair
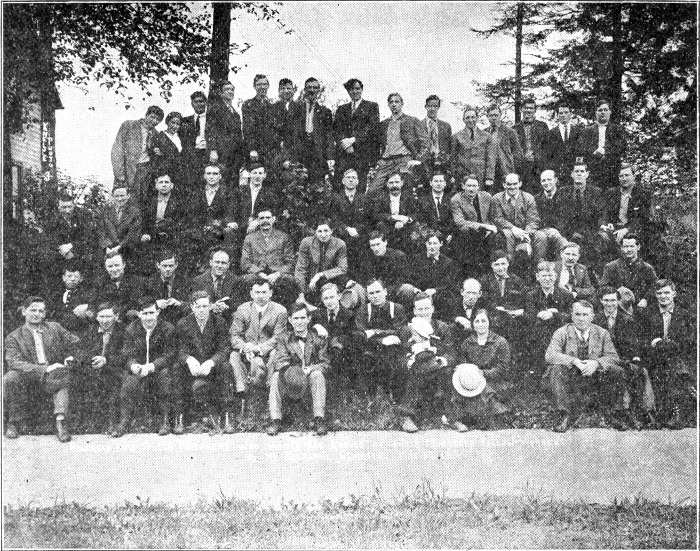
{"points": [[529, 101], [607, 290], [482, 311], [72, 265], [602, 101], [433, 97], [164, 254], [498, 254], [27, 302], [160, 171], [563, 103], [350, 83], [65, 197], [310, 79], [104, 305], [632, 235], [262, 206], [144, 302], [471, 176], [198, 94], [388, 99], [258, 77], [661, 283], [395, 173], [200, 293], [493, 107], [329, 285], [284, 81], [155, 110], [260, 281], [376, 234], [583, 302], [437, 171], [212, 165], [321, 220], [375, 280], [434, 233], [422, 296], [114, 255], [298, 307], [173, 115]]}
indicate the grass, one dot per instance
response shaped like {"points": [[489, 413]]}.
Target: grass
{"points": [[423, 519]]}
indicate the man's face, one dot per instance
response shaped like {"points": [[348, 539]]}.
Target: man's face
{"points": [[299, 321], [481, 324], [609, 303], [529, 112], [200, 309], [470, 118], [212, 176], [167, 267], [602, 114], [355, 92], [377, 246], [394, 184], [219, 263], [331, 299], [174, 125], [579, 175], [151, 120], [35, 312], [323, 233], [120, 196], [512, 184], [626, 178], [665, 296], [257, 176], [582, 317], [199, 104], [630, 249], [470, 187], [423, 308], [350, 181], [548, 181], [71, 279], [261, 87], [115, 267], [432, 247], [437, 183], [66, 208], [164, 185], [376, 294], [431, 108], [261, 294], [500, 267], [564, 115], [228, 91], [494, 117], [395, 105], [570, 256], [286, 91], [311, 90], [546, 278], [471, 292], [149, 316], [106, 318], [265, 220]]}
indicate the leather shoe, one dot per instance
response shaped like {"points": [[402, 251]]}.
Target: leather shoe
{"points": [[460, 427], [179, 427], [229, 427], [563, 422], [11, 431], [62, 432], [165, 427], [321, 428], [408, 425], [274, 427], [121, 429], [617, 421]]}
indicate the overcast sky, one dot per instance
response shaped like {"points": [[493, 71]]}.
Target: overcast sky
{"points": [[415, 48]]}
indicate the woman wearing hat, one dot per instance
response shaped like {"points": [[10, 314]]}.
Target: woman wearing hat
{"points": [[476, 383]]}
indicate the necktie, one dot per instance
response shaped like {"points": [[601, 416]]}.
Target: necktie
{"points": [[472, 133], [166, 289], [438, 202], [331, 318], [217, 287], [354, 107], [502, 286], [105, 342], [39, 347], [309, 118], [119, 214], [66, 296], [433, 135], [579, 197], [582, 349], [475, 203], [566, 133], [666, 316], [571, 277], [196, 126], [611, 322]]}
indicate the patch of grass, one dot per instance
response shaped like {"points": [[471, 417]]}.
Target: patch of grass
{"points": [[424, 519]]}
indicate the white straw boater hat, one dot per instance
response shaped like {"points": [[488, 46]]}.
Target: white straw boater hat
{"points": [[468, 380]]}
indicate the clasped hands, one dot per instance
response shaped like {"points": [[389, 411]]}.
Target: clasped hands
{"points": [[143, 370], [198, 369], [586, 367]]}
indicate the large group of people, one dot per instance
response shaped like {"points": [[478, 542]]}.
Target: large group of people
{"points": [[438, 270]]}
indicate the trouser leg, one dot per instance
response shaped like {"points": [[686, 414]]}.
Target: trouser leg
{"points": [[131, 393], [317, 382], [15, 385], [275, 397], [560, 383], [164, 390]]}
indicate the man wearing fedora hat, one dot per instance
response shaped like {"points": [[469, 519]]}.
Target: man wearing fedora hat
{"points": [[301, 362]]}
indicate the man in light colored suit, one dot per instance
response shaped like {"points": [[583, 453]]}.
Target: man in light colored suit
{"points": [[255, 329], [571, 275], [439, 134], [581, 357], [131, 161], [471, 149], [119, 227], [504, 148]]}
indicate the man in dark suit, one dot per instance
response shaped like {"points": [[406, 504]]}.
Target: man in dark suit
{"points": [[384, 263], [116, 286], [549, 207], [223, 132], [71, 231], [472, 301], [631, 271], [668, 335], [150, 351], [403, 146], [355, 127], [470, 149], [572, 275], [533, 136], [163, 216], [314, 146], [250, 199], [119, 224], [284, 112], [194, 142], [504, 149], [71, 306], [562, 142], [504, 293], [203, 366], [439, 135], [603, 144], [168, 286], [258, 123], [395, 210], [224, 288], [349, 218], [434, 209]]}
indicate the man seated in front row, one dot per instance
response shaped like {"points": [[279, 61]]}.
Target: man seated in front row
{"points": [[301, 363], [203, 366], [150, 351], [255, 328], [39, 354], [581, 358]]}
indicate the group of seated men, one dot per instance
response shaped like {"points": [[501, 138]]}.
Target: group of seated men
{"points": [[331, 311]]}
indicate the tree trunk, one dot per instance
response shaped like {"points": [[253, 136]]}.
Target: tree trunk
{"points": [[617, 63], [220, 39], [518, 59]]}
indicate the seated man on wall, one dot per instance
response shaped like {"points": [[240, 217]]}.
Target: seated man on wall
{"points": [[162, 216], [150, 351], [71, 231], [71, 308], [119, 224], [255, 329], [349, 218], [384, 263], [571, 275], [39, 355], [434, 209], [203, 366], [581, 358], [168, 286], [548, 237], [301, 363], [378, 331], [395, 210], [223, 287], [668, 331], [118, 287]]}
